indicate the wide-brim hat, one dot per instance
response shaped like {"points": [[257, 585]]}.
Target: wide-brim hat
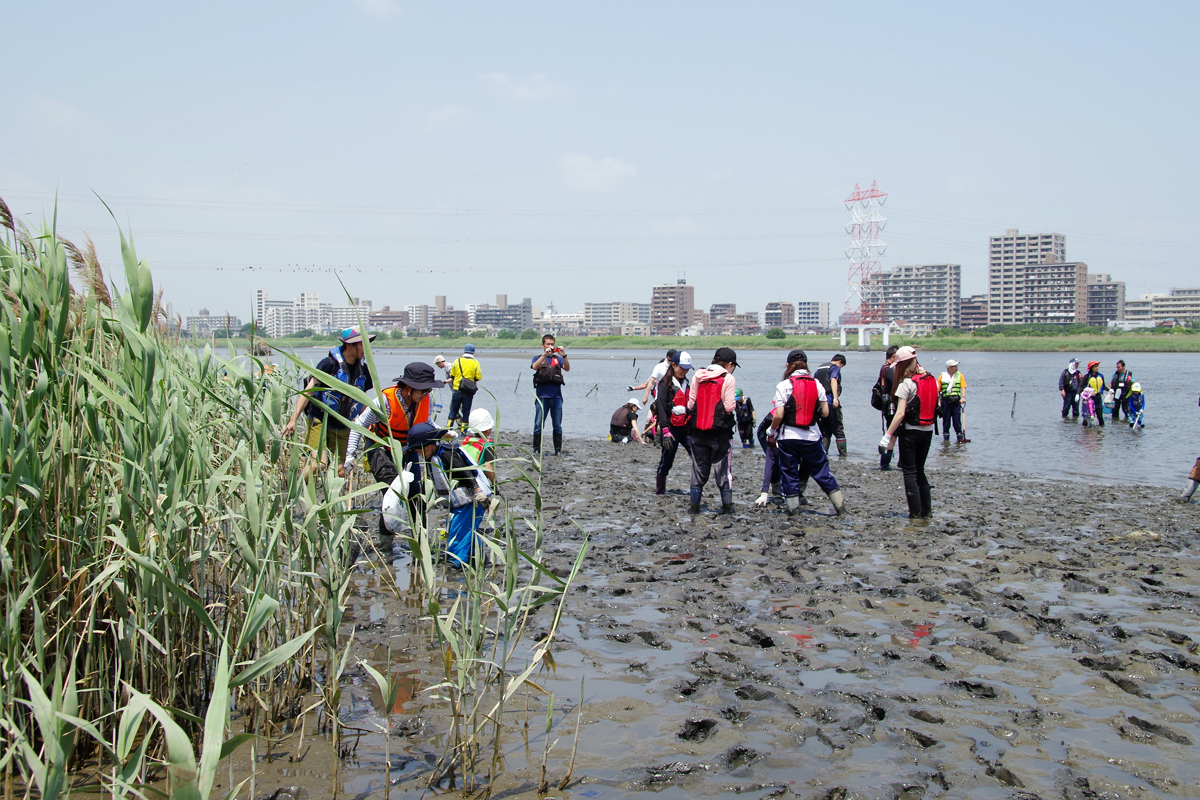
{"points": [[354, 336], [1093, 364], [419, 375], [951, 363]]}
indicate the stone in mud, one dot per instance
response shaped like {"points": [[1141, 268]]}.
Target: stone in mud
{"points": [[759, 638], [1126, 685], [688, 688], [937, 662], [664, 773], [1005, 776], [1161, 730], [977, 689], [752, 692], [735, 716], [696, 730], [1008, 637], [1102, 663], [653, 639], [926, 716], [924, 740], [739, 756], [930, 594], [1030, 718]]}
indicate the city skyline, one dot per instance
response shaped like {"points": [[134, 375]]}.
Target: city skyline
{"points": [[517, 155]]}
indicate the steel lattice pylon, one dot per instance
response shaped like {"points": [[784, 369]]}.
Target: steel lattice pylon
{"points": [[864, 293]]}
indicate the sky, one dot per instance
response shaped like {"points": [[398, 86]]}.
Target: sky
{"points": [[574, 153]]}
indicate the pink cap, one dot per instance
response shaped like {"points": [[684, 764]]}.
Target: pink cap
{"points": [[905, 353]]}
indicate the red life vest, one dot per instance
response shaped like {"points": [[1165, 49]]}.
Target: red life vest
{"points": [[800, 411], [922, 409], [681, 398], [397, 424], [710, 406]]}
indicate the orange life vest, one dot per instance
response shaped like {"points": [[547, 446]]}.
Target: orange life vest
{"points": [[398, 423]]}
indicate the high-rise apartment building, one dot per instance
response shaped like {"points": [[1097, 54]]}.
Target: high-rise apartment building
{"points": [[672, 307], [1105, 299], [779, 315], [204, 324], [599, 316], [449, 319], [511, 316], [305, 312], [973, 312], [1030, 281], [923, 294], [418, 316], [812, 314], [1181, 305]]}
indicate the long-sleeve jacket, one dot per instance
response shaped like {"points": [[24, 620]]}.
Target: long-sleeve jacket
{"points": [[728, 398], [1070, 381], [1121, 384]]}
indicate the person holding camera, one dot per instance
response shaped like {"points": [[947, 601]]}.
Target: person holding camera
{"points": [[548, 369]]}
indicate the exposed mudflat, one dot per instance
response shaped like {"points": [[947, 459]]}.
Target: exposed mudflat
{"points": [[1034, 639]]}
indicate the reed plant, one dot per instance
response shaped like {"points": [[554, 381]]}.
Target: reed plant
{"points": [[160, 589]]}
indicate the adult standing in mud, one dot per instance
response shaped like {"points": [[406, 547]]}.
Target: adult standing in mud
{"points": [[833, 427], [887, 374], [670, 408], [1121, 386], [916, 397], [656, 375], [800, 401], [712, 404], [548, 369], [1070, 384]]}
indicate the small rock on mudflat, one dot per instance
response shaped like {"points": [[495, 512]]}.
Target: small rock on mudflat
{"points": [[697, 730]]}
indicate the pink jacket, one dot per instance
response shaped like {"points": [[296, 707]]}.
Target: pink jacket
{"points": [[727, 397]]}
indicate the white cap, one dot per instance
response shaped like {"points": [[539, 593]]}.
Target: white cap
{"points": [[480, 421], [633, 401], [439, 358], [951, 363], [685, 360]]}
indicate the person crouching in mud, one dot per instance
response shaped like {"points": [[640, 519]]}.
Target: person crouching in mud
{"points": [[623, 426], [800, 400]]}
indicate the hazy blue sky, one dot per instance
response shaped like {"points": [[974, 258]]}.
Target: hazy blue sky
{"points": [[574, 152]]}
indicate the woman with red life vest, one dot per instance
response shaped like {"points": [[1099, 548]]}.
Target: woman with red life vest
{"points": [[670, 409], [916, 394], [800, 400], [712, 404]]}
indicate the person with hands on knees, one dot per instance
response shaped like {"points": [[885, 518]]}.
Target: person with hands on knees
{"points": [[800, 400], [916, 395], [548, 369]]}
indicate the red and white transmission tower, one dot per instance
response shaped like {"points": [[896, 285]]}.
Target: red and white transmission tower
{"points": [[864, 293]]}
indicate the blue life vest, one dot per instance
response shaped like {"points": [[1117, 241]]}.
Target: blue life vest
{"points": [[332, 399]]}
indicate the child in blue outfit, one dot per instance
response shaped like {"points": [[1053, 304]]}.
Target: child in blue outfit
{"points": [[1137, 407]]}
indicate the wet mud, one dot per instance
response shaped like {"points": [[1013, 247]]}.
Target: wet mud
{"points": [[1034, 639]]}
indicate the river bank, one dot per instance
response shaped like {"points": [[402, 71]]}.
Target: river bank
{"points": [[1107, 343], [1035, 639]]}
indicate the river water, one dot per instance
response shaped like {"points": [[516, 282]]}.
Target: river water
{"points": [[1012, 415]]}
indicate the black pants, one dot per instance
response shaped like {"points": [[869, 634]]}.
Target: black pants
{"points": [[710, 455], [746, 432], [914, 449], [670, 445], [1070, 404], [832, 426], [951, 414], [1120, 405]]}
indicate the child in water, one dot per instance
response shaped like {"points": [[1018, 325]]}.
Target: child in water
{"points": [[1137, 407], [1087, 406]]}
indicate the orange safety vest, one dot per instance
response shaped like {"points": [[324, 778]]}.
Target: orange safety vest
{"points": [[398, 423]]}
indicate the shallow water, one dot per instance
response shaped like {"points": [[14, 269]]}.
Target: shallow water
{"points": [[1026, 436]]}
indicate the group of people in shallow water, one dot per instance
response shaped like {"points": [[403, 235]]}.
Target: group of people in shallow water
{"points": [[1087, 394]]}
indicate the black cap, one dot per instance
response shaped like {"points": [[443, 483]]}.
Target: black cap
{"points": [[838, 357], [797, 355], [424, 433], [419, 375], [726, 355]]}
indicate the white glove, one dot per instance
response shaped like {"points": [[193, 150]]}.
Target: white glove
{"points": [[678, 411], [772, 435], [885, 442], [348, 466], [762, 500], [481, 497]]}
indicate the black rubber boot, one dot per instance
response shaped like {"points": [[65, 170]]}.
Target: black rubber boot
{"points": [[694, 505], [537, 443], [841, 446], [558, 451], [885, 460], [727, 502], [660, 484], [926, 502]]}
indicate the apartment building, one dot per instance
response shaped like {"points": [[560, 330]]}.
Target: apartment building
{"points": [[672, 307], [1105, 299], [973, 312], [779, 315], [385, 319], [305, 312], [203, 324], [1180, 305], [1030, 280], [812, 314], [449, 319], [603, 316], [723, 318], [419, 316], [923, 294], [514, 317]]}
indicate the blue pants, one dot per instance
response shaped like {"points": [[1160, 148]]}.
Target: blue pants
{"points": [[460, 534], [460, 406], [799, 461], [547, 406], [951, 414]]}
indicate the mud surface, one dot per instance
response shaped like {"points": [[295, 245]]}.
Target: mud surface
{"points": [[1035, 639]]}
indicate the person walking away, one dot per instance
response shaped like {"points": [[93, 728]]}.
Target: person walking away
{"points": [[770, 484], [745, 418], [1136, 407], [916, 395], [623, 425], [800, 400], [465, 375], [886, 405], [1087, 404], [1094, 380], [405, 405], [953, 389], [712, 404], [1070, 384], [670, 409], [656, 375], [1121, 387], [548, 369], [830, 376], [326, 433], [1193, 483]]}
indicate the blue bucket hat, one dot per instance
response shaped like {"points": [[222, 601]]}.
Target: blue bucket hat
{"points": [[468, 348]]}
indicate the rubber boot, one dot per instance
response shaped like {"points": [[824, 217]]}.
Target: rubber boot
{"points": [[839, 502], [1186, 497], [537, 443], [841, 446], [885, 460], [774, 488], [803, 489], [694, 505], [926, 502], [727, 502], [660, 484], [558, 444], [825, 442], [791, 505]]}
